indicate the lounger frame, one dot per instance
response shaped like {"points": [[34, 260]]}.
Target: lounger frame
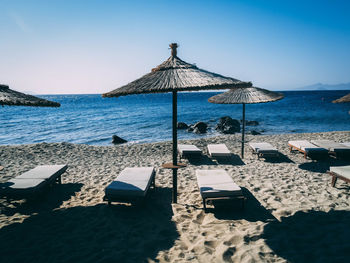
{"points": [[35, 191], [335, 176], [131, 199]]}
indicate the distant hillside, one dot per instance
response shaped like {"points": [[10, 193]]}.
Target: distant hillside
{"points": [[320, 86]]}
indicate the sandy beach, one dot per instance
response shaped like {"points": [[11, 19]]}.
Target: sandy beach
{"points": [[292, 213]]}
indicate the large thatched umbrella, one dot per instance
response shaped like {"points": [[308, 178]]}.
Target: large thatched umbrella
{"points": [[343, 99], [175, 75], [14, 98], [245, 96]]}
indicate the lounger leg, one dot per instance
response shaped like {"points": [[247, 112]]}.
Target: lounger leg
{"points": [[109, 203], [334, 180], [204, 205]]}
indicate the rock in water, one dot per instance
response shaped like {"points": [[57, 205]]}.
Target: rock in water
{"points": [[228, 125], [253, 132], [182, 126], [117, 140], [200, 127]]}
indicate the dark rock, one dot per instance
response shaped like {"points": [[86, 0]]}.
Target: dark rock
{"points": [[253, 132], [200, 127], [117, 140], [182, 126], [228, 125]]}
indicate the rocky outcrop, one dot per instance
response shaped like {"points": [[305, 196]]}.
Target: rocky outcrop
{"points": [[253, 132], [182, 126], [117, 140], [228, 125], [200, 127]]}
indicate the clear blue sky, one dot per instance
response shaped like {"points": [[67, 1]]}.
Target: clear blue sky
{"points": [[61, 47]]}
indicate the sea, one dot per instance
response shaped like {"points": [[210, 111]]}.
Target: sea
{"points": [[91, 119]]}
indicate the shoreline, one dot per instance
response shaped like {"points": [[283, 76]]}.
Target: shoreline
{"points": [[289, 214]]}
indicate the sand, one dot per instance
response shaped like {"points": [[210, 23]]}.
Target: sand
{"points": [[292, 213]]}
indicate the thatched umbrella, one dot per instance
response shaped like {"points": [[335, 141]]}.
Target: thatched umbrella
{"points": [[14, 98], [343, 99], [175, 75], [245, 96]]}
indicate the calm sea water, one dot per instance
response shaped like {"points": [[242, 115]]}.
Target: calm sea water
{"points": [[91, 119]]}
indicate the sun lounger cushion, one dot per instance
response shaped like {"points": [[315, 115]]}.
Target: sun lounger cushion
{"points": [[331, 146], [21, 187], [44, 172], [216, 183], [219, 150], [188, 149], [262, 147], [341, 170], [32, 181], [308, 147], [133, 182]]}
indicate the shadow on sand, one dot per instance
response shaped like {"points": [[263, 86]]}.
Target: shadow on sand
{"points": [[322, 166], [234, 159], [253, 210], [99, 233], [281, 159], [312, 236], [52, 198]]}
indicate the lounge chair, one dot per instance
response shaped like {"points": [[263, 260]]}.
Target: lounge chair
{"points": [[341, 172], [131, 185], [217, 185], [33, 182], [336, 149], [218, 150], [264, 149], [308, 149], [188, 150]]}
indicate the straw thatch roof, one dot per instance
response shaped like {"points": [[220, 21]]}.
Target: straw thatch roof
{"points": [[246, 95], [175, 74], [15, 98], [344, 99]]}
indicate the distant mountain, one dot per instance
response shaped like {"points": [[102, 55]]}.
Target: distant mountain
{"points": [[320, 86]]}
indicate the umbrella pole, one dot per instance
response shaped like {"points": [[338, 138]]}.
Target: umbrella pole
{"points": [[174, 146], [243, 128]]}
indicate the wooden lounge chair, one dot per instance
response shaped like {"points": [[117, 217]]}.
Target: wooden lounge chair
{"points": [[188, 150], [33, 182], [217, 185], [264, 149], [218, 150], [308, 149], [336, 149], [131, 185], [341, 172]]}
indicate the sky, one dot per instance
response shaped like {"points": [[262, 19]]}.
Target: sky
{"points": [[95, 46]]}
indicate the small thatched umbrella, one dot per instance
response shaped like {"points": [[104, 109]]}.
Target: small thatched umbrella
{"points": [[343, 99], [14, 98], [245, 96], [175, 75]]}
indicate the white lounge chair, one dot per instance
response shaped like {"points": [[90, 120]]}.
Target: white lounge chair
{"points": [[33, 181], [308, 149], [334, 148], [341, 172], [131, 185], [217, 184], [218, 150], [263, 149], [188, 150]]}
